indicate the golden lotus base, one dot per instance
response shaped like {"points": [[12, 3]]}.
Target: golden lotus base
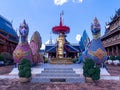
{"points": [[61, 61]]}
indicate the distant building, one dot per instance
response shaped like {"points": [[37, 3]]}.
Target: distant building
{"points": [[70, 50], [8, 36], [111, 39]]}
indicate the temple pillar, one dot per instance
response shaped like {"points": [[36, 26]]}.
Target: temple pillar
{"points": [[112, 51], [117, 51], [108, 51]]}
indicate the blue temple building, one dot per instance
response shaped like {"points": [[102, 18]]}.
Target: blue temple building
{"points": [[70, 50], [8, 36]]}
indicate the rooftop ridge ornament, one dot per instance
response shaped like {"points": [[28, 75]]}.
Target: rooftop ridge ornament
{"points": [[62, 18], [95, 28], [50, 41]]}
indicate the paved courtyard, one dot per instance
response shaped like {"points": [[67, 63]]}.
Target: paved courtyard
{"points": [[9, 82], [77, 68]]}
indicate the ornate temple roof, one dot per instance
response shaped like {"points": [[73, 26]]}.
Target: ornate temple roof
{"points": [[68, 47], [7, 29], [116, 16], [116, 29], [72, 48], [50, 48], [118, 11], [6, 26]]}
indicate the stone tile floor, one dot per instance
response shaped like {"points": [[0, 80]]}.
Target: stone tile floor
{"points": [[14, 84]]}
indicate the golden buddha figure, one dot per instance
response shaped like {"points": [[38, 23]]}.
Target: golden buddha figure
{"points": [[60, 43]]}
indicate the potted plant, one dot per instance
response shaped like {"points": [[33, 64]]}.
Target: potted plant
{"points": [[24, 70], [90, 71], [74, 60]]}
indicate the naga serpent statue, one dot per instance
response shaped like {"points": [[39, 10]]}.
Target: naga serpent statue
{"points": [[95, 49], [23, 49]]}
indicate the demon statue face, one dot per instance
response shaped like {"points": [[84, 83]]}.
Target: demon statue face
{"points": [[23, 30]]}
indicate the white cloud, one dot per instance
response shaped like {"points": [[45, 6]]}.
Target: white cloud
{"points": [[79, 1], [78, 37], [60, 2]]}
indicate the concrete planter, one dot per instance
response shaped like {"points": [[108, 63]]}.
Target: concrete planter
{"points": [[116, 62], [23, 80], [1, 62], [88, 80], [110, 61]]}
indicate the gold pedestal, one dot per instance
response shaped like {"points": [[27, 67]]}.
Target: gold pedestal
{"points": [[61, 61]]}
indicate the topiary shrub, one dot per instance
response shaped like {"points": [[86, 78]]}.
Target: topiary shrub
{"points": [[96, 74], [87, 67], [74, 60], [112, 58], [24, 69], [118, 58], [1, 57], [46, 60], [90, 70]]}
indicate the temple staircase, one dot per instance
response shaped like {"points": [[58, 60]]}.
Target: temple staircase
{"points": [[58, 74]]}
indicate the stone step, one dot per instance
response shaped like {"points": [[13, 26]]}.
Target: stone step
{"points": [[58, 71], [59, 74], [65, 69], [56, 79]]}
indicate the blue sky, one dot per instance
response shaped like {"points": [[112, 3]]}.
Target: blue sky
{"points": [[42, 15]]}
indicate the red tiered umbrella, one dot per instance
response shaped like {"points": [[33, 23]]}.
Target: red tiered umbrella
{"points": [[61, 28]]}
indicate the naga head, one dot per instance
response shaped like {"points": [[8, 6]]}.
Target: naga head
{"points": [[23, 30], [95, 28]]}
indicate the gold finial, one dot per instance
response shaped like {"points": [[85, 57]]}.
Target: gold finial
{"points": [[96, 20], [61, 18]]}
